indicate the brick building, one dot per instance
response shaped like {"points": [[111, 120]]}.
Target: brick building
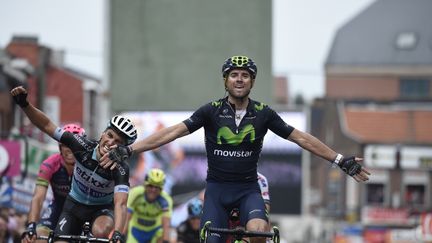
{"points": [[64, 94], [378, 105]]}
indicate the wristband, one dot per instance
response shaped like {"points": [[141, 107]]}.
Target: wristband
{"points": [[31, 229], [31, 225], [338, 159], [117, 236]]}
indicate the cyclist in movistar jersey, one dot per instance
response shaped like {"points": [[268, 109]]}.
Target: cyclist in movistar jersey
{"points": [[234, 128], [56, 171], [149, 210], [95, 191]]}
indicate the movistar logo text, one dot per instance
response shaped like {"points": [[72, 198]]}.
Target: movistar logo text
{"points": [[238, 154], [235, 139]]}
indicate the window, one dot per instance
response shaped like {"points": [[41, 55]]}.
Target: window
{"points": [[414, 88], [375, 193], [406, 40], [415, 195]]}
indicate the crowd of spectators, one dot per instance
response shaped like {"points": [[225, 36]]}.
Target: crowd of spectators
{"points": [[12, 225]]}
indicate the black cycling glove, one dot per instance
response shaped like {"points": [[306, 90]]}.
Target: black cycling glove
{"points": [[117, 237], [21, 100], [120, 153], [30, 230], [350, 166]]}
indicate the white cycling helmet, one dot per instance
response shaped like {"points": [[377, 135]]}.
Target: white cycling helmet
{"points": [[125, 127]]}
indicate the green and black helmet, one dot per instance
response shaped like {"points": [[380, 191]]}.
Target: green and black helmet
{"points": [[242, 62]]}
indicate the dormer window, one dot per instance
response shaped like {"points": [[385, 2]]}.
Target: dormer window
{"points": [[406, 40]]}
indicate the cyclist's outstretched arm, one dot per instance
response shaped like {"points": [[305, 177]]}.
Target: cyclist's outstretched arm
{"points": [[37, 117], [160, 138], [312, 144], [153, 141]]}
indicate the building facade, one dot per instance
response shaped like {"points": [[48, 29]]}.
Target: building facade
{"points": [[168, 55], [378, 105]]}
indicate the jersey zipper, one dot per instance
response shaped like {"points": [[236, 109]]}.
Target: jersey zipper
{"points": [[234, 117]]}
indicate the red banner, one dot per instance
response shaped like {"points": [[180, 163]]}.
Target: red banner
{"points": [[385, 216], [374, 236]]}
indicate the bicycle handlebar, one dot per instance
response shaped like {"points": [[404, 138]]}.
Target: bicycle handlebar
{"points": [[239, 233], [51, 238]]}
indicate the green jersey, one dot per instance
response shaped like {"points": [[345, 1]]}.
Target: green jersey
{"points": [[147, 216]]}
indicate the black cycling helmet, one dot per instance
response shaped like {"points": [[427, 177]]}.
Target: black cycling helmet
{"points": [[242, 62]]}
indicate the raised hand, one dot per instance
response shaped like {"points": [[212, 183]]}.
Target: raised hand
{"points": [[352, 167], [20, 96], [117, 154]]}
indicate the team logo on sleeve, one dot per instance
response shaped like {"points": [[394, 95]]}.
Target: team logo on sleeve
{"points": [[216, 103], [260, 106]]}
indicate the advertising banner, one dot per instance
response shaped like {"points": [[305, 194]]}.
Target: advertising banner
{"points": [[10, 158], [381, 216]]}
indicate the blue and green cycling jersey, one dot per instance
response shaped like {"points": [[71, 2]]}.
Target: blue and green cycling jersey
{"points": [[233, 151], [91, 183]]}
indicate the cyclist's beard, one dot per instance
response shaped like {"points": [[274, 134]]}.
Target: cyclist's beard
{"points": [[238, 97]]}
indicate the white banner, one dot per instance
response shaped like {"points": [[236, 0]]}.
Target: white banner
{"points": [[380, 156], [416, 157]]}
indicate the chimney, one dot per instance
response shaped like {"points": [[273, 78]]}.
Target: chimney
{"points": [[280, 91]]}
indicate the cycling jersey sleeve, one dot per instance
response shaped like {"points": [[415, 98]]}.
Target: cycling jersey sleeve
{"points": [[121, 177], [198, 118], [135, 192], [73, 141], [166, 204], [277, 125], [47, 169]]}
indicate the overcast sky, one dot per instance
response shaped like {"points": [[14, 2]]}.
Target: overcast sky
{"points": [[302, 33]]}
